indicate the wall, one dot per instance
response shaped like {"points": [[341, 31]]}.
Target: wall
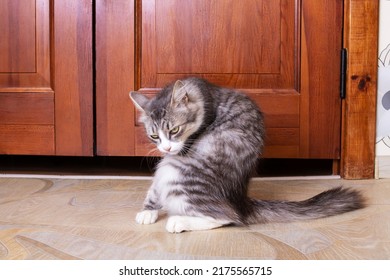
{"points": [[383, 103]]}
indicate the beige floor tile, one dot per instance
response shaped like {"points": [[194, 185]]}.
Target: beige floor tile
{"points": [[94, 219]]}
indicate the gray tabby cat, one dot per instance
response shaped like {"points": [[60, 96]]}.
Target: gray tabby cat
{"points": [[211, 138]]}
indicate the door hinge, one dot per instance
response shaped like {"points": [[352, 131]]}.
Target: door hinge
{"points": [[343, 72]]}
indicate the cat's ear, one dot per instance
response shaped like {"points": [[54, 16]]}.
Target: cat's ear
{"points": [[179, 94], [140, 101]]}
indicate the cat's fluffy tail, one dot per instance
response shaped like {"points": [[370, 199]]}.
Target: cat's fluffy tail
{"points": [[328, 203]]}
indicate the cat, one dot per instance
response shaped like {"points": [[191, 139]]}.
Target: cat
{"points": [[211, 138]]}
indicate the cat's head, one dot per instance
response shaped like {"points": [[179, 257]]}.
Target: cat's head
{"points": [[172, 116]]}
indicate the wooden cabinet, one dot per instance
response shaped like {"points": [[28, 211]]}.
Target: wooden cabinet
{"points": [[67, 66], [284, 54], [46, 77]]}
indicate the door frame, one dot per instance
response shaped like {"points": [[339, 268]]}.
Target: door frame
{"points": [[361, 19]]}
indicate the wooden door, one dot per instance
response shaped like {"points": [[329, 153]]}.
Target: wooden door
{"points": [[46, 77], [285, 54], [115, 66]]}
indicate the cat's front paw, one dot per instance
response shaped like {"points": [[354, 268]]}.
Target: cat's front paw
{"points": [[147, 217], [176, 224]]}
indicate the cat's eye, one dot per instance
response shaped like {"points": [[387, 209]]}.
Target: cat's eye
{"points": [[154, 136], [174, 130]]}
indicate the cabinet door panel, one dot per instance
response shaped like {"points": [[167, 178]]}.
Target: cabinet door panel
{"points": [[18, 28], [216, 52], [26, 91], [25, 45], [46, 77], [73, 77], [227, 42], [284, 54], [115, 77]]}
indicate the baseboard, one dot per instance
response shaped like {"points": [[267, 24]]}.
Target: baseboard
{"points": [[382, 167]]}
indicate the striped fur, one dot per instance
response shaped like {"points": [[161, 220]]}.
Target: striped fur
{"points": [[211, 138]]}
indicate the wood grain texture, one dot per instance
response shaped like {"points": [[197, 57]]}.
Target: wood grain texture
{"points": [[26, 94], [248, 46], [54, 88], [25, 45], [17, 29], [33, 139], [359, 107], [217, 52], [320, 78], [115, 77], [73, 84], [94, 220], [27, 108], [286, 68]]}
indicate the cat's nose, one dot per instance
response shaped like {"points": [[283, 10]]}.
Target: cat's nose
{"points": [[167, 148]]}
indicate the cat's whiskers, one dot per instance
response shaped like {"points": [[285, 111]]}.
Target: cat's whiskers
{"points": [[189, 151]]}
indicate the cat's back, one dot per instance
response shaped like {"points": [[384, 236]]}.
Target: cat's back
{"points": [[237, 111], [237, 123], [229, 105]]}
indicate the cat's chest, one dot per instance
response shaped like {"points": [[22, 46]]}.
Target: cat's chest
{"points": [[168, 187], [166, 177]]}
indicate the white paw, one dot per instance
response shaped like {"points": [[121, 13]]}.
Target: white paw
{"points": [[146, 217], [176, 224]]}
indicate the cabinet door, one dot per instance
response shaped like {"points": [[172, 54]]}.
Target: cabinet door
{"points": [[46, 77], [284, 54], [115, 45]]}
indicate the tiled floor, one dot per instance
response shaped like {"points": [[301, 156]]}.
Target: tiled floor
{"points": [[63, 218]]}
